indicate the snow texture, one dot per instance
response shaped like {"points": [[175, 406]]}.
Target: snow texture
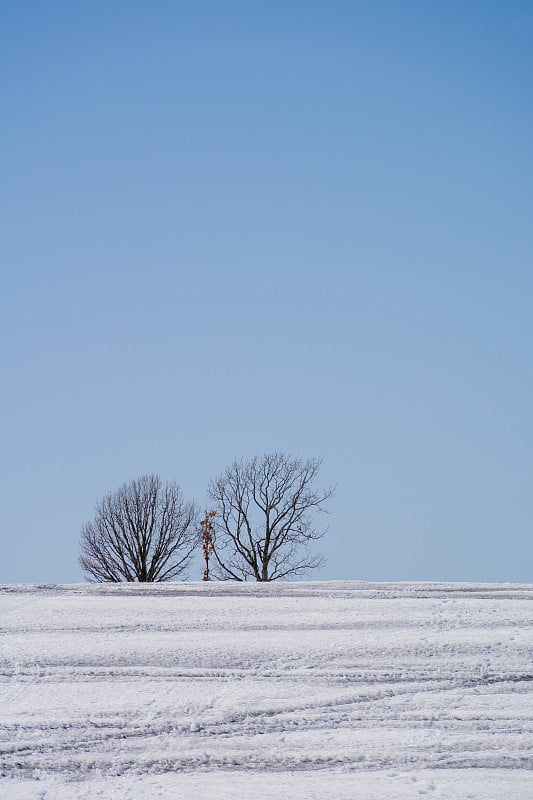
{"points": [[328, 690]]}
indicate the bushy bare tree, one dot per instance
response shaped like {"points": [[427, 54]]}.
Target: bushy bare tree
{"points": [[143, 532], [263, 527]]}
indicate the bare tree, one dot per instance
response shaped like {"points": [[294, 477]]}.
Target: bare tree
{"points": [[264, 518], [143, 532]]}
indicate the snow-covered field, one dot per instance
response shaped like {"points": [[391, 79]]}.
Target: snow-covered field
{"points": [[300, 690]]}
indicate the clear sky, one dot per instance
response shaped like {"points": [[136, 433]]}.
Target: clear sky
{"points": [[230, 228]]}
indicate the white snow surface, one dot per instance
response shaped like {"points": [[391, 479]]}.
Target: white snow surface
{"points": [[326, 690]]}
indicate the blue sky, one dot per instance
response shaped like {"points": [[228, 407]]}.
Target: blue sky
{"points": [[232, 228]]}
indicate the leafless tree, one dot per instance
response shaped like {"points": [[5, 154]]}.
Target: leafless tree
{"points": [[143, 532], [264, 518]]}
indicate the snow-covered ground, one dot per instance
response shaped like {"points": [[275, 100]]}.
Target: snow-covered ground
{"points": [[300, 690]]}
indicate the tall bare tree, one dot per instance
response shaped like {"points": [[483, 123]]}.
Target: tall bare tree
{"points": [[143, 532], [265, 511]]}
